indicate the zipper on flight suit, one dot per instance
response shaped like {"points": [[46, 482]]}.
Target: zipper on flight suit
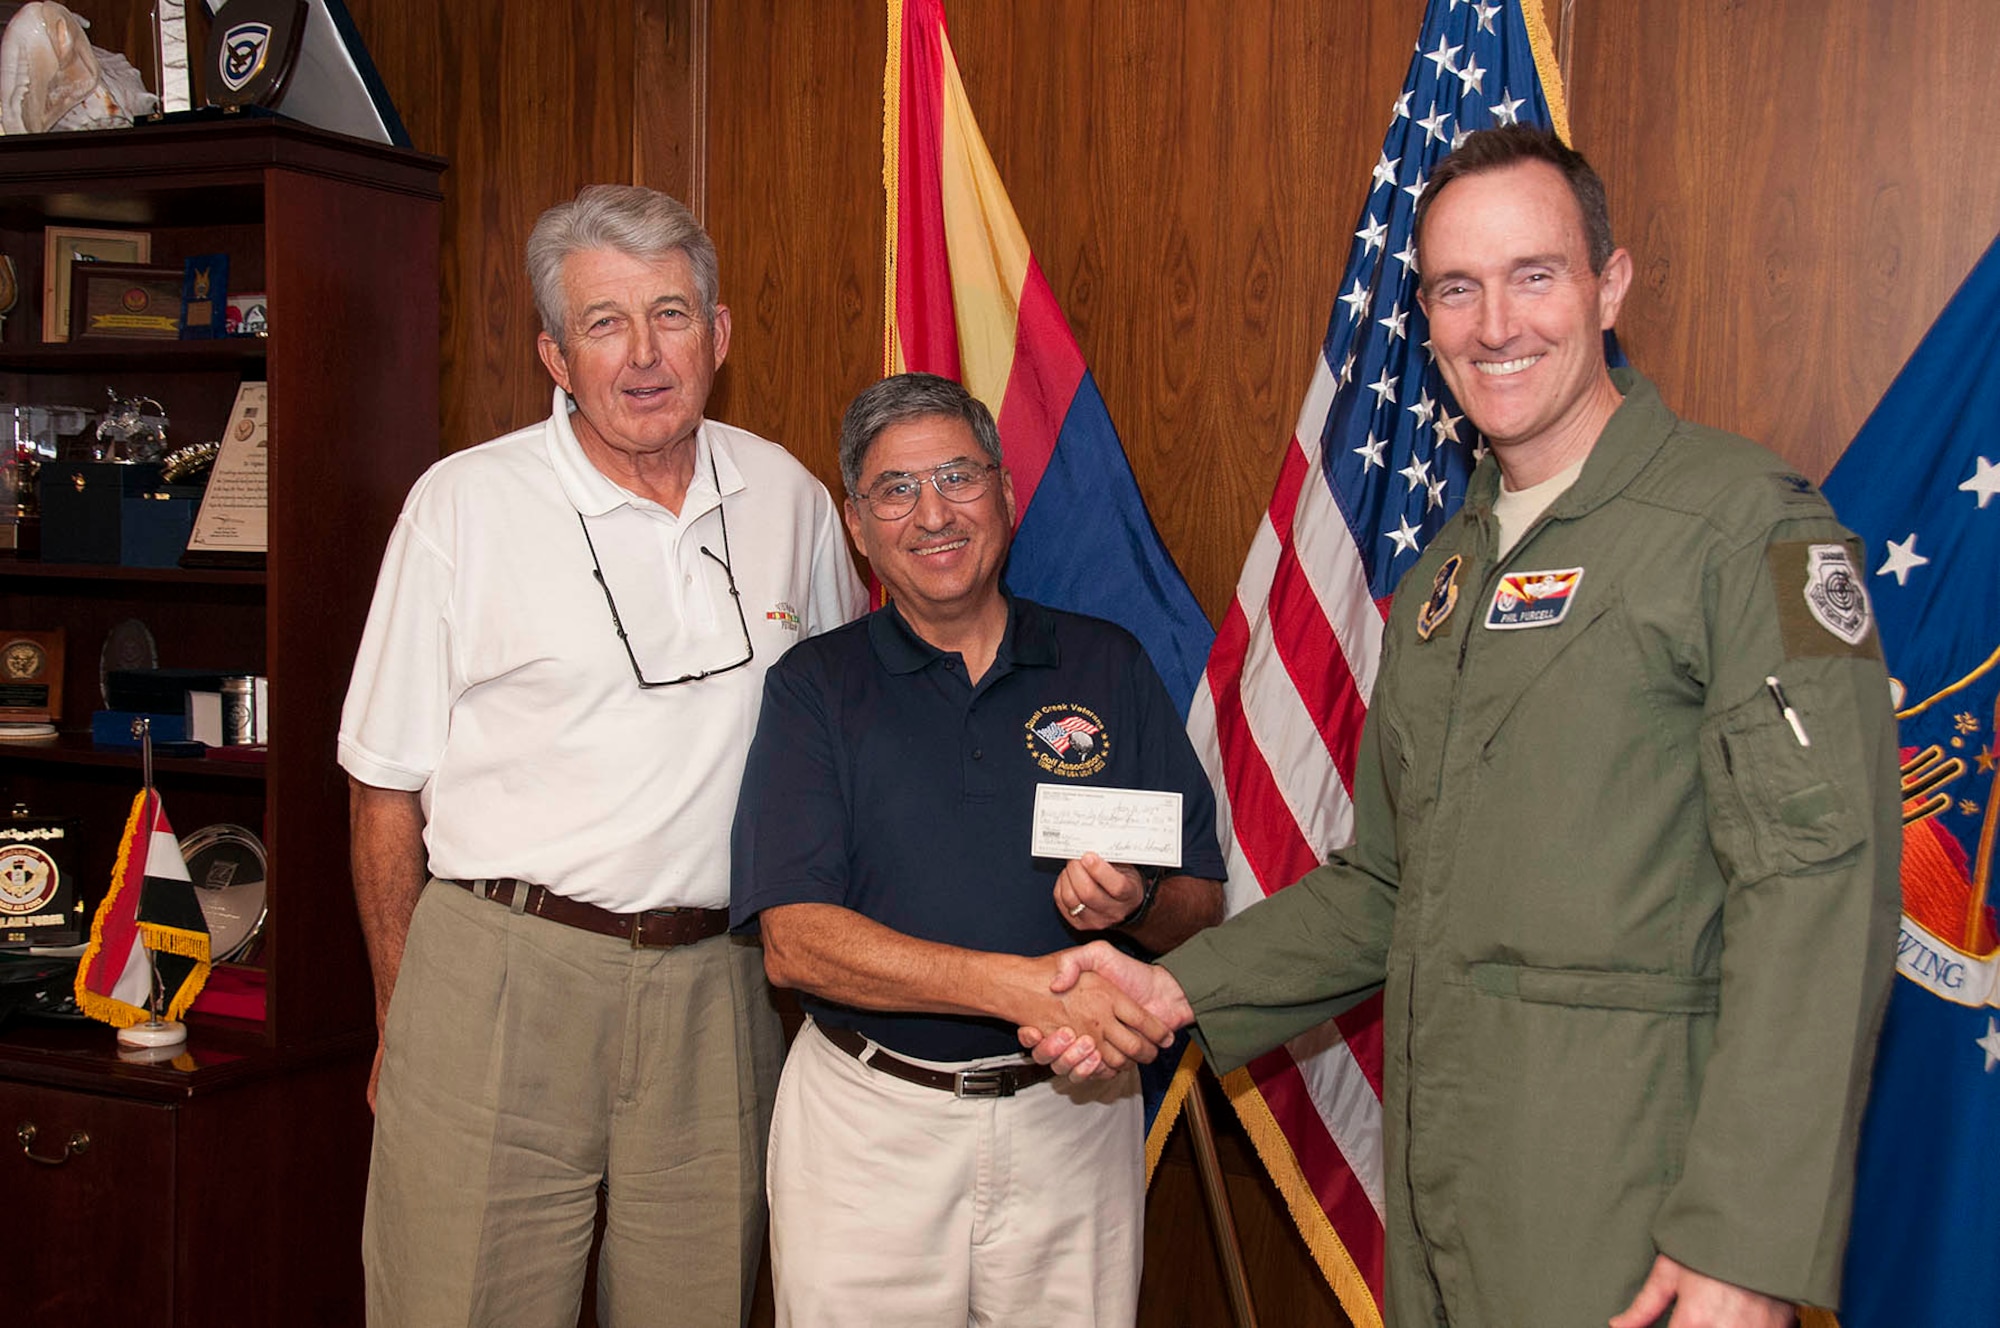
{"points": [[1484, 536], [1487, 532]]}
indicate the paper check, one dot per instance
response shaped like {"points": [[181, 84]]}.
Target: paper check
{"points": [[1120, 825]]}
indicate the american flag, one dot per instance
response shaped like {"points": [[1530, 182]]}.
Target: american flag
{"points": [[1378, 462], [1058, 734]]}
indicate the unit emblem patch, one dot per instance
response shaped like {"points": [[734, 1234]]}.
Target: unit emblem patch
{"points": [[1834, 592], [1533, 599], [1443, 598], [1068, 740]]}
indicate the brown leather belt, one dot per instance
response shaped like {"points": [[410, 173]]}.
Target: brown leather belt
{"points": [[993, 1081], [654, 929]]}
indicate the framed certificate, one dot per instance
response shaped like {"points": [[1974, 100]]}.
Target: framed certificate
{"points": [[63, 247], [231, 528]]}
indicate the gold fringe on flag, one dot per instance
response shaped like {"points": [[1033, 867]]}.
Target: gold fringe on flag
{"points": [[1547, 66], [175, 940], [102, 1008], [152, 935], [1325, 1246], [892, 134], [1170, 1107]]}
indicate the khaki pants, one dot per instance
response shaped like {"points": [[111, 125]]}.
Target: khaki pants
{"points": [[526, 1062], [893, 1204]]}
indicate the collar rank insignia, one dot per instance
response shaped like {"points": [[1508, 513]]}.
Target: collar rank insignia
{"points": [[1443, 598], [1533, 599]]}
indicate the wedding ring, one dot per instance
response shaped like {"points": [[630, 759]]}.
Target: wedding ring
{"points": [[1076, 912]]}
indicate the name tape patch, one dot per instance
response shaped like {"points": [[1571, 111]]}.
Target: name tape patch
{"points": [[1533, 599]]}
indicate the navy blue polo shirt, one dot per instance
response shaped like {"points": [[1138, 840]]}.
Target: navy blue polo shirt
{"points": [[883, 781]]}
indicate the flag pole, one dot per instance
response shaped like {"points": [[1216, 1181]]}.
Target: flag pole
{"points": [[155, 1032], [1221, 1218]]}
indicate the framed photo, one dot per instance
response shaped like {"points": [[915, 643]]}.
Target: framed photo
{"points": [[125, 300], [62, 247]]}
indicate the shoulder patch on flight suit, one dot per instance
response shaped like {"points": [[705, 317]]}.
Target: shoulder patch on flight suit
{"points": [[1533, 599], [1443, 598], [1822, 604]]}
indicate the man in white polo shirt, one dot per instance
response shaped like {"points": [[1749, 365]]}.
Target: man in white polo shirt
{"points": [[544, 736]]}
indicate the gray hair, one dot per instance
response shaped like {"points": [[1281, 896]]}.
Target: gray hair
{"points": [[901, 399], [643, 223]]}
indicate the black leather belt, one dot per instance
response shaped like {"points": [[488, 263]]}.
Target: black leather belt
{"points": [[654, 929], [993, 1081]]}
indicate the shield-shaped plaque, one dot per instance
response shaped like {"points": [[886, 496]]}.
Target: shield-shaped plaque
{"points": [[252, 47]]}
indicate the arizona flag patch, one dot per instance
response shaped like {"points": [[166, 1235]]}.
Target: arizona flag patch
{"points": [[1533, 599]]}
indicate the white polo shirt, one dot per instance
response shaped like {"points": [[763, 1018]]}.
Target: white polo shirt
{"points": [[491, 679]]}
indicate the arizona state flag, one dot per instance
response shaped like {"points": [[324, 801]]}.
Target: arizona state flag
{"points": [[149, 921], [968, 301]]}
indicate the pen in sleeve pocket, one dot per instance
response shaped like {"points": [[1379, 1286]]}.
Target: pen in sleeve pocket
{"points": [[1785, 709]]}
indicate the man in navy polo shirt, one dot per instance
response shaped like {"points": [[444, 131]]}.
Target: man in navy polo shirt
{"points": [[921, 1170]]}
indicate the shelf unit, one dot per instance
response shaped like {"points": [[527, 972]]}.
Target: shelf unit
{"points": [[342, 236]]}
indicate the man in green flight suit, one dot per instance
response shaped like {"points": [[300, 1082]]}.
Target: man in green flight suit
{"points": [[1627, 830]]}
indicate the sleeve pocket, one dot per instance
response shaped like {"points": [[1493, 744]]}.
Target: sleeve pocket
{"points": [[1774, 807]]}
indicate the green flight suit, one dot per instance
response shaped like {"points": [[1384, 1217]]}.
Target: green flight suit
{"points": [[1636, 939]]}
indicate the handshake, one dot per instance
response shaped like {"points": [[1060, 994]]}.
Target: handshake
{"points": [[1104, 1010]]}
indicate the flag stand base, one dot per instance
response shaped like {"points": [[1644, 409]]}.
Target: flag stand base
{"points": [[153, 1033]]}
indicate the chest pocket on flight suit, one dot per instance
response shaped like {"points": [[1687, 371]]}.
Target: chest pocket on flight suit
{"points": [[1774, 807]]}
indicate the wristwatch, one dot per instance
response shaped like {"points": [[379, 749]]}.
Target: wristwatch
{"points": [[1152, 876]]}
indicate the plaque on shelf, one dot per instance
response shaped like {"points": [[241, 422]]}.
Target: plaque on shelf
{"points": [[40, 904], [252, 47], [332, 82], [66, 247], [230, 528], [204, 297], [125, 300], [31, 682]]}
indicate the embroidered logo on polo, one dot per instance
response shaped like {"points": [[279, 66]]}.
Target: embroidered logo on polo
{"points": [[1533, 599], [1067, 740], [1834, 592], [1443, 598], [785, 616]]}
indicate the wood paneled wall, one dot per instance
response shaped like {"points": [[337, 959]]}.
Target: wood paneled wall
{"points": [[1188, 175], [1802, 185]]}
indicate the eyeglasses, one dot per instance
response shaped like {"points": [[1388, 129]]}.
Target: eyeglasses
{"points": [[618, 623], [956, 481]]}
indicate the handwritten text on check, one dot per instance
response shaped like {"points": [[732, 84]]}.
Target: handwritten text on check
{"points": [[1120, 825]]}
